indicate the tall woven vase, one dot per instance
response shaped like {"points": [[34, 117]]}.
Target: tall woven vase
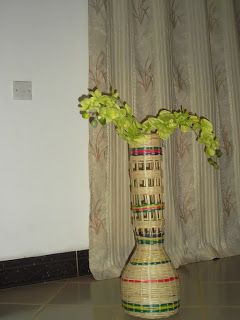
{"points": [[149, 282]]}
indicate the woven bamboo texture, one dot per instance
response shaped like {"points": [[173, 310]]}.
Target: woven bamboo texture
{"points": [[149, 283]]}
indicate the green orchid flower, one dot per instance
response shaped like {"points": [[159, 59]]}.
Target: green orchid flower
{"points": [[108, 108]]}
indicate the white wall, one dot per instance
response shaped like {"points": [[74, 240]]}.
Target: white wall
{"points": [[44, 192]]}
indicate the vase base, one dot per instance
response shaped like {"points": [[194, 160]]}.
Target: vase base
{"points": [[151, 315]]}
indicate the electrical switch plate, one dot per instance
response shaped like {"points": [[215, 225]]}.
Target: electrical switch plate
{"points": [[22, 90]]}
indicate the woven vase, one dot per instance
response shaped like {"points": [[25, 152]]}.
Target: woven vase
{"points": [[149, 282]]}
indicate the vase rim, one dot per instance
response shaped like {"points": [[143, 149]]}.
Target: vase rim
{"points": [[150, 138]]}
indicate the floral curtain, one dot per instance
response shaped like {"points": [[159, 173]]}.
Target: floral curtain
{"points": [[167, 53]]}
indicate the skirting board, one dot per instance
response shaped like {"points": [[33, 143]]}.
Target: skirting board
{"points": [[44, 268]]}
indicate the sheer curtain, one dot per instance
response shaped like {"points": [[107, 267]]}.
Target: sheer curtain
{"points": [[167, 53]]}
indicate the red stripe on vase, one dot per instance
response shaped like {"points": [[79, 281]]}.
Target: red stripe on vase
{"points": [[147, 152], [151, 280], [158, 207]]}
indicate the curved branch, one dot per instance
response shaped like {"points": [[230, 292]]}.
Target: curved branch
{"points": [[105, 108]]}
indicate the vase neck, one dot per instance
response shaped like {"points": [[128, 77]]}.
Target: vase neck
{"points": [[149, 232]]}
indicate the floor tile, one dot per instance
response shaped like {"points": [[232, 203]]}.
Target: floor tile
{"points": [[188, 273], [226, 313], [225, 269], [190, 294], [60, 312], [81, 279], [189, 285], [104, 293], [221, 294], [34, 294], [17, 312], [75, 312], [74, 293], [209, 270]]}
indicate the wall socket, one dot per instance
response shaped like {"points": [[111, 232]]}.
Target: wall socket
{"points": [[22, 90]]}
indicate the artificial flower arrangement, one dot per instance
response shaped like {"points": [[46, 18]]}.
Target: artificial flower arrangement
{"points": [[105, 108]]}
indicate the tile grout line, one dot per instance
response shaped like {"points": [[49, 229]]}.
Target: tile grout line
{"points": [[220, 282], [20, 303], [47, 302], [191, 306], [77, 264]]}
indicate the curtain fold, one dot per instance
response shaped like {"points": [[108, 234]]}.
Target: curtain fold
{"points": [[166, 54]]}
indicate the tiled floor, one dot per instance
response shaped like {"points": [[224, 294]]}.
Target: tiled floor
{"points": [[209, 290]]}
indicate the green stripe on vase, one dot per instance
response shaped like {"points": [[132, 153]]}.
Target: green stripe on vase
{"points": [[156, 236], [150, 308], [146, 148], [152, 241]]}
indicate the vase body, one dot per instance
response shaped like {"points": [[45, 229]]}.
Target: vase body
{"points": [[149, 282]]}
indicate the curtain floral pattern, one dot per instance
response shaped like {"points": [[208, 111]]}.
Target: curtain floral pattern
{"points": [[166, 54]]}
